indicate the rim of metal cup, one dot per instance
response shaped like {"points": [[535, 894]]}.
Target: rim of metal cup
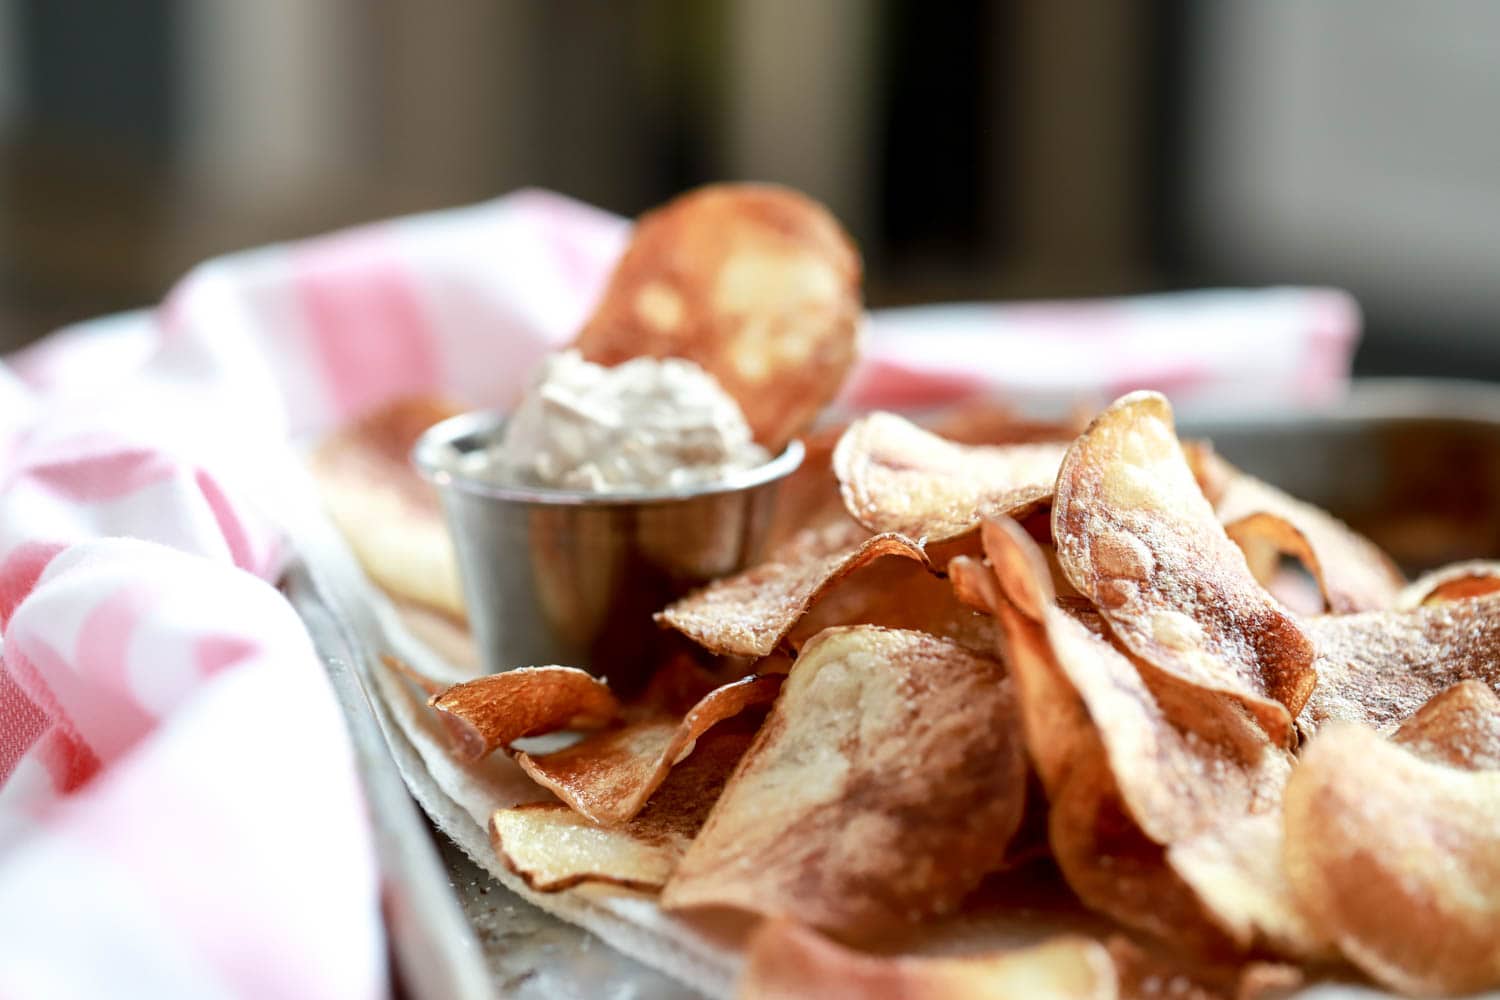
{"points": [[435, 450]]}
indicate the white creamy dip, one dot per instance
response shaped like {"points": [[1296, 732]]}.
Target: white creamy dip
{"points": [[647, 424]]}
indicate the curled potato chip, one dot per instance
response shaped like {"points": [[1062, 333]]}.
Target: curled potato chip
{"points": [[1136, 536], [1455, 582], [749, 614], [552, 848], [1379, 667], [897, 477], [1352, 572], [608, 777], [494, 711], [1399, 859], [1459, 727], [887, 781], [1132, 769], [387, 513], [787, 961], [757, 284]]}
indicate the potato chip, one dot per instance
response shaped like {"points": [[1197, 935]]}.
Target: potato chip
{"points": [[1132, 768], [1459, 727], [1352, 572], [494, 711], [1379, 667], [1399, 859], [749, 614], [991, 421], [1135, 535], [897, 477], [809, 496], [552, 848], [787, 961], [886, 783], [386, 512], [607, 777], [1455, 582], [1147, 973], [757, 284]]}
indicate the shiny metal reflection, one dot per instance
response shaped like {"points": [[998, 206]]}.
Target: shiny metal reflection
{"points": [[559, 576]]}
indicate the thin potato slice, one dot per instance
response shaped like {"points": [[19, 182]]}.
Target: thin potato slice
{"points": [[897, 477], [751, 613], [757, 284], [1459, 727], [1148, 974], [787, 961], [387, 513], [609, 776], [887, 782], [1455, 582], [1379, 667], [1136, 536], [494, 711], [1399, 859], [553, 848], [1352, 572]]}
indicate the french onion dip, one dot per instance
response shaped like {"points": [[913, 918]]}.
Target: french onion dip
{"points": [[648, 424]]}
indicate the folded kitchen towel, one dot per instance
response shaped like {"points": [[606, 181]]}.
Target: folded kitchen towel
{"points": [[179, 815]]}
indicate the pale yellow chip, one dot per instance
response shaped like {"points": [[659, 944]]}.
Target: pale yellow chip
{"points": [[1136, 536], [749, 614], [887, 781], [494, 711], [1352, 572], [897, 477], [386, 512], [609, 776], [787, 961], [1398, 859], [1455, 582]]}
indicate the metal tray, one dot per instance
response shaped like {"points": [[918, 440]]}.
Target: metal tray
{"points": [[1414, 464]]}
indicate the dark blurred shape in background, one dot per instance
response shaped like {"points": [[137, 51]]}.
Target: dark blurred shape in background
{"points": [[976, 150]]}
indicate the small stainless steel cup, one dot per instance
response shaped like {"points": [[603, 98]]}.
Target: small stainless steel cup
{"points": [[570, 577]]}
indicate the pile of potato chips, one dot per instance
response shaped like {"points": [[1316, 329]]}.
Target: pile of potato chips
{"points": [[1062, 653]]}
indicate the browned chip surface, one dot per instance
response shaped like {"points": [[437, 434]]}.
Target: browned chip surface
{"points": [[786, 961], [750, 613], [757, 284], [897, 477], [494, 711], [1460, 728], [387, 513], [1379, 667], [1135, 535], [1399, 859], [991, 421], [552, 848], [608, 777], [1456, 582], [1352, 572], [887, 781], [1149, 974]]}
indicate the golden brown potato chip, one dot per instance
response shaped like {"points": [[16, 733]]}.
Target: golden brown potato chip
{"points": [[787, 961], [607, 777], [886, 783], [1352, 572], [749, 614], [1379, 667], [388, 514], [757, 284], [1131, 769], [1147, 973], [494, 711], [1459, 727], [897, 477], [552, 848], [1399, 859], [1455, 582], [1135, 535], [989, 421]]}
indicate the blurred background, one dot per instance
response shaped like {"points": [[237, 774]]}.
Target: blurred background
{"points": [[975, 149]]}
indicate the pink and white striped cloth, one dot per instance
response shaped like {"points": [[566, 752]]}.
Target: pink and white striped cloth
{"points": [[179, 815]]}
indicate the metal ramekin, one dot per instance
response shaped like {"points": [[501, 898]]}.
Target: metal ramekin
{"points": [[571, 577]]}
